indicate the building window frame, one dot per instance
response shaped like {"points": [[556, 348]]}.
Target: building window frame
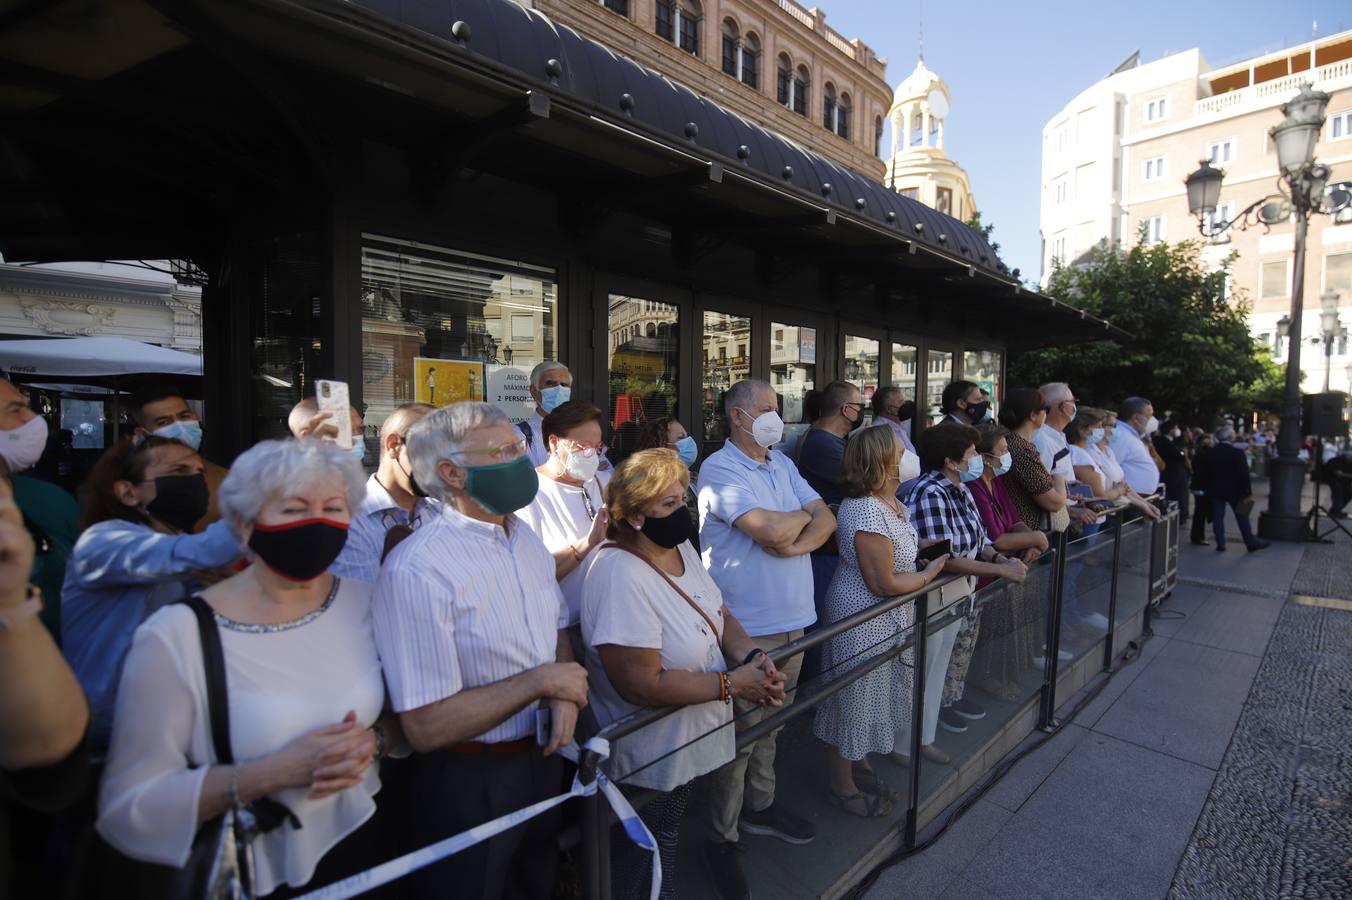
{"points": [[620, 7], [750, 56], [1157, 109], [843, 110], [1222, 152], [829, 107], [1263, 266], [1340, 125], [1156, 228], [1154, 168]]}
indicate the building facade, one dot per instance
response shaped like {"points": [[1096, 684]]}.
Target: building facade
{"points": [[918, 166], [1114, 160], [773, 62]]}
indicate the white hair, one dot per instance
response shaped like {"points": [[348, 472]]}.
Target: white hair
{"points": [[547, 366], [742, 394], [270, 467], [442, 434], [1225, 434], [1055, 392]]}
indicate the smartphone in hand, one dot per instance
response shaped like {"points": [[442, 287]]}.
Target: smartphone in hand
{"points": [[934, 551], [332, 397]]}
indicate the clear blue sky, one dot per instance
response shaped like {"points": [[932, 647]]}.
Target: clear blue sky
{"points": [[1012, 66]]}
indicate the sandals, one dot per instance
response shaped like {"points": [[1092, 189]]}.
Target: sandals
{"points": [[868, 781], [862, 804]]}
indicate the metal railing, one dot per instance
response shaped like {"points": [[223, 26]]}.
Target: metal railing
{"points": [[596, 816]]}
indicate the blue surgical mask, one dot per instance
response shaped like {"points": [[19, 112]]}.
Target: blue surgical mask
{"points": [[189, 432], [1006, 461], [1095, 435], [358, 450], [1115, 438], [552, 397], [687, 451], [976, 467]]}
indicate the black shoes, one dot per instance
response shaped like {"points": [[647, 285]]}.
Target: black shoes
{"points": [[969, 710], [776, 822], [725, 868], [951, 721], [1259, 545], [1220, 548]]}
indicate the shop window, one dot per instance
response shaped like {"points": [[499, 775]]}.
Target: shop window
{"points": [[861, 365], [940, 373], [722, 369], [433, 329], [643, 365], [983, 367], [285, 278], [793, 371], [904, 363]]}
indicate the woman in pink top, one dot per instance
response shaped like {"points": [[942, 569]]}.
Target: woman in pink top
{"points": [[1009, 636]]}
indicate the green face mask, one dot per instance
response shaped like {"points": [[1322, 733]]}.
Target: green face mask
{"points": [[503, 488]]}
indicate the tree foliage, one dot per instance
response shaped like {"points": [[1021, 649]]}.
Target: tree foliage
{"points": [[1190, 350]]}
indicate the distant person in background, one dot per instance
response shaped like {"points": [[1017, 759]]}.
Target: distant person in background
{"points": [[1176, 474], [891, 408], [1200, 475], [668, 433], [161, 410], [551, 385], [962, 403], [47, 512], [1228, 485], [307, 420]]}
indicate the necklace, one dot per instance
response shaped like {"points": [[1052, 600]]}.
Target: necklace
{"points": [[587, 503]]}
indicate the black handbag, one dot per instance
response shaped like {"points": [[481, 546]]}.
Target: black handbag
{"points": [[220, 864]]}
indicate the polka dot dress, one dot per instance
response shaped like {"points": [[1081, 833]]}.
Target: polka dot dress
{"points": [[864, 717]]}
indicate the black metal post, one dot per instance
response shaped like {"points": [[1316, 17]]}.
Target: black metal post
{"points": [[592, 834], [917, 714], [1047, 720], [1112, 593]]}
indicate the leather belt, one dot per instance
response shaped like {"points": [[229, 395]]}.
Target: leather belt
{"points": [[502, 748]]}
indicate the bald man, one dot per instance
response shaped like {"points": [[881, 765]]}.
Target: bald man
{"points": [[391, 500], [306, 420]]}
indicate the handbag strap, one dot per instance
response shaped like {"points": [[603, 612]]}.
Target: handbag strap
{"points": [[674, 586], [213, 661]]}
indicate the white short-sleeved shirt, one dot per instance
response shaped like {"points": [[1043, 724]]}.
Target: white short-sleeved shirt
{"points": [[627, 604], [461, 604], [1050, 445], [561, 514], [1138, 466], [1108, 465], [1080, 456], [284, 681], [767, 594]]}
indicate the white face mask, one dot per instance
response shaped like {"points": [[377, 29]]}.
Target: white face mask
{"points": [[1152, 426], [581, 465], [909, 467], [767, 429], [22, 447]]}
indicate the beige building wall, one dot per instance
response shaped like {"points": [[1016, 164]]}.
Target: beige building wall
{"points": [[1224, 115], [919, 166], [776, 27]]}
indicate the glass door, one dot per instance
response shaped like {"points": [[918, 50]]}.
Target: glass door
{"points": [[726, 359], [986, 368], [938, 374], [861, 362], [643, 368], [793, 375]]}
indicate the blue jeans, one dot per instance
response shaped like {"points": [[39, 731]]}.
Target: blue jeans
{"points": [[1072, 612], [1218, 522]]}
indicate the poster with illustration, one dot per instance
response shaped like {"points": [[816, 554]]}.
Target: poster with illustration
{"points": [[442, 382]]}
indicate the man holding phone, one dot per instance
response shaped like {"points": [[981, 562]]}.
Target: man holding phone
{"points": [[308, 420]]}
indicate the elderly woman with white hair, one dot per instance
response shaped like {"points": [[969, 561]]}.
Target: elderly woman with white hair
{"points": [[305, 692]]}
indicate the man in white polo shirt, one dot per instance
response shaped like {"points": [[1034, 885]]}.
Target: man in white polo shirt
{"points": [[468, 618], [551, 385], [759, 520], [1050, 441], [1135, 423]]}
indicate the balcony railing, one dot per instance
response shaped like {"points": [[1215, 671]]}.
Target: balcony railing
{"points": [[1334, 75], [797, 12]]}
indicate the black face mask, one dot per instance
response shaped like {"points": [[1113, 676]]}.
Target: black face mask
{"points": [[180, 500], [906, 411], [977, 411], [858, 420], [669, 531], [300, 551]]}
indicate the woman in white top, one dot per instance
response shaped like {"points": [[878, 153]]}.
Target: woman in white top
{"points": [[305, 689], [657, 634], [1085, 431], [568, 512], [1111, 469]]}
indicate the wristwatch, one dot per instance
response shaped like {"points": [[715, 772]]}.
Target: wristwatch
{"points": [[31, 606], [752, 655]]}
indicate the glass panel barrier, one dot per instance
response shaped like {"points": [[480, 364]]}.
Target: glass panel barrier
{"points": [[1085, 596], [727, 360], [984, 670], [643, 368], [1133, 579]]}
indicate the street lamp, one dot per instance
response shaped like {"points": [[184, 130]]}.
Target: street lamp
{"points": [[1331, 327], [1303, 190]]}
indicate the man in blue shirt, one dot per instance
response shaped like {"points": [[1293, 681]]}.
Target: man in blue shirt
{"points": [[758, 522]]}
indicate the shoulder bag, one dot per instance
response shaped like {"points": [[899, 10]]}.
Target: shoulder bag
{"points": [[718, 635]]}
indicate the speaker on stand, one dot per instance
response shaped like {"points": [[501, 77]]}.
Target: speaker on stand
{"points": [[1322, 418]]}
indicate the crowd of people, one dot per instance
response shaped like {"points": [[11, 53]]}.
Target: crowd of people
{"points": [[406, 652]]}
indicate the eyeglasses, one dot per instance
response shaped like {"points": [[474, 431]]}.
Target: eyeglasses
{"points": [[584, 447], [505, 453]]}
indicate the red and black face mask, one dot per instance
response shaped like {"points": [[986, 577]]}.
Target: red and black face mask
{"points": [[300, 551]]}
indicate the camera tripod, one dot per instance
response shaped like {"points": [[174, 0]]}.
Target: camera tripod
{"points": [[1312, 532]]}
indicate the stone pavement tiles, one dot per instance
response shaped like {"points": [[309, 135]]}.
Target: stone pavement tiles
{"points": [[1278, 822]]}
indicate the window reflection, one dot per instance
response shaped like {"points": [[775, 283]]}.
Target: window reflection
{"points": [[940, 372], [904, 365], [643, 368], [727, 360], [983, 367], [793, 374], [861, 366]]}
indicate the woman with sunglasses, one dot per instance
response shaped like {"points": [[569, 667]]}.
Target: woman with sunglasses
{"points": [[569, 511]]}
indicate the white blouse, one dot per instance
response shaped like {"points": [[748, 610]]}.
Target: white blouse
{"points": [[626, 603], [1108, 464], [561, 514], [283, 681]]}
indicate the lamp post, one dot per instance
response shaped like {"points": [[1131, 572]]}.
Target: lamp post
{"points": [[1303, 190], [1332, 329]]}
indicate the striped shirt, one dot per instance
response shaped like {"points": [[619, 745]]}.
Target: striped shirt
{"points": [[378, 513], [941, 509], [465, 604]]}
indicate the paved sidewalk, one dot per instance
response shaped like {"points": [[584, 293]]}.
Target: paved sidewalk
{"points": [[1109, 806]]}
